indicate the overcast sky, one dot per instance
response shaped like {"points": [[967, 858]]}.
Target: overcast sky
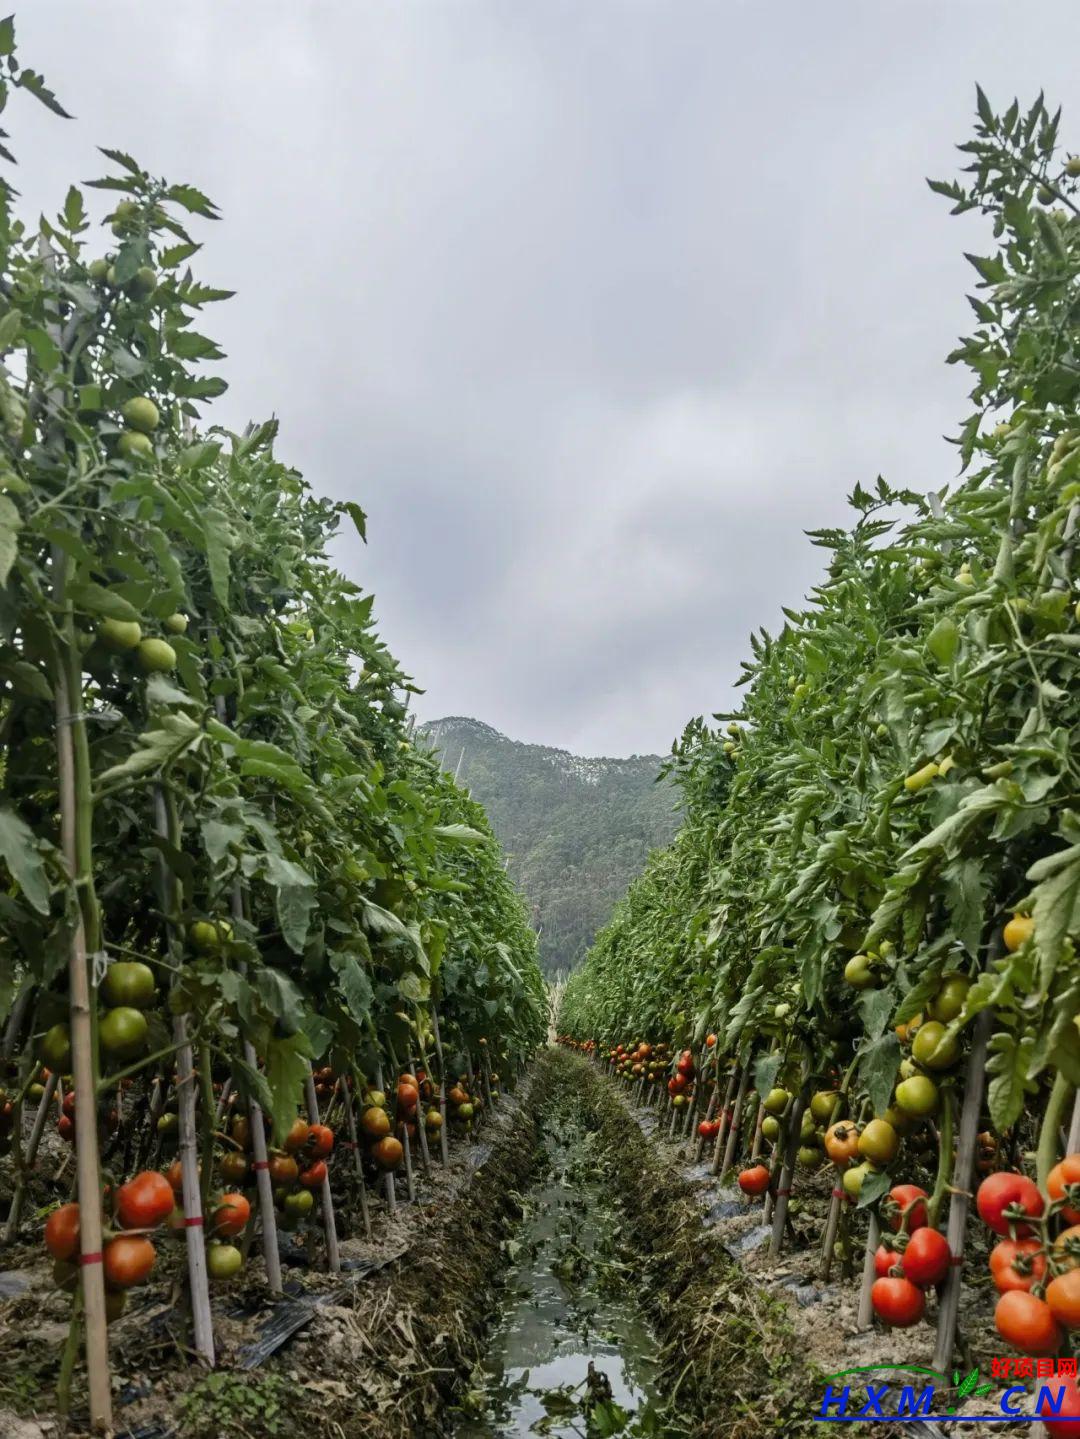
{"points": [[593, 308]]}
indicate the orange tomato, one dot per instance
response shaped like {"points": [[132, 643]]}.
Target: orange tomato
{"points": [[1065, 1173], [1027, 1323], [297, 1136], [128, 1260], [231, 1215], [842, 1141], [62, 1232], [144, 1201], [1003, 1268], [1063, 1297]]}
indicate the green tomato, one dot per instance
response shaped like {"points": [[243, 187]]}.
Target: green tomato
{"points": [[950, 998], [857, 972], [776, 1101], [917, 1096], [770, 1127], [123, 1032], [823, 1105], [129, 983], [809, 1156], [176, 624], [119, 635], [141, 414], [208, 936], [852, 1180], [299, 1204], [223, 1261], [133, 445], [933, 1048], [143, 283], [156, 656], [55, 1049], [879, 1142]]}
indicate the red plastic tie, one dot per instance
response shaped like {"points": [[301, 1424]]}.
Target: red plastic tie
{"points": [[194, 1223], [839, 1194], [956, 1260], [261, 1164], [780, 1192], [90, 1258]]}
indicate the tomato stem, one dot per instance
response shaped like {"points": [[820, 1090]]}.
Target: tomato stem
{"points": [[1047, 1152], [945, 1156]]}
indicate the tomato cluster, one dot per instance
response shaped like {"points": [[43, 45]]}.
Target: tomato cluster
{"points": [[1037, 1274]]}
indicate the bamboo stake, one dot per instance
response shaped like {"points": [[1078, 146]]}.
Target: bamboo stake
{"points": [[733, 1132], [333, 1257], [38, 1129], [406, 1144], [75, 802], [1072, 1142], [17, 1018], [350, 1120], [718, 1151], [198, 1280], [828, 1244], [191, 1187], [873, 1238], [755, 1148], [783, 1189], [389, 1188], [710, 1110], [421, 1123], [949, 1304], [443, 1151]]}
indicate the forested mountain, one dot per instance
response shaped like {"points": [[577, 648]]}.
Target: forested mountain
{"points": [[576, 830]]}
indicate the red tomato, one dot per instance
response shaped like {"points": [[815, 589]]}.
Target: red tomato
{"points": [[175, 1175], [899, 1302], [926, 1258], [754, 1181], [231, 1215], [999, 1192], [1027, 1323], [144, 1201], [884, 1259], [902, 1196], [1003, 1268], [128, 1260], [320, 1141], [62, 1232], [1062, 1400], [313, 1177], [1065, 1173]]}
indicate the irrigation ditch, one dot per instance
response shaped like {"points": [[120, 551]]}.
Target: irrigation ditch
{"points": [[561, 1278]]}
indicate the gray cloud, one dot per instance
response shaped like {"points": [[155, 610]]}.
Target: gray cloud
{"points": [[594, 309]]}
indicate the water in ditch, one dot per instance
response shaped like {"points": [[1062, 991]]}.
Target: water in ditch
{"points": [[569, 1353]]}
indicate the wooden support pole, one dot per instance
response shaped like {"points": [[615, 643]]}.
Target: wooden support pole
{"points": [[736, 1120], [966, 1140], [718, 1151], [787, 1168], [11, 1227], [358, 1159], [333, 1257]]}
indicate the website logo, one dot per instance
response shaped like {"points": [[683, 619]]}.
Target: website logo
{"points": [[911, 1393]]}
